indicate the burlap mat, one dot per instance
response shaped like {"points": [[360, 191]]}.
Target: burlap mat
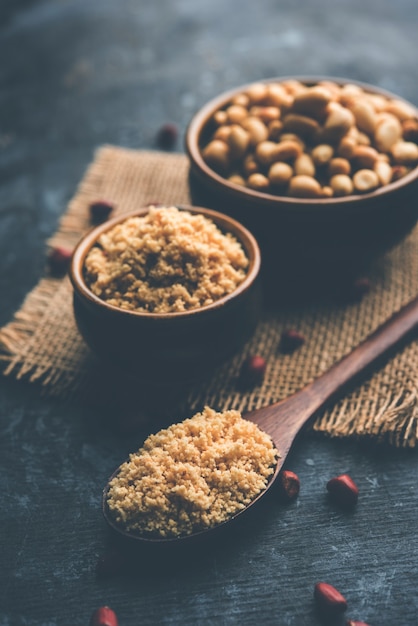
{"points": [[41, 344]]}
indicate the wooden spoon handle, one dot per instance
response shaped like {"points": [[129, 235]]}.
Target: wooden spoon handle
{"points": [[284, 419]]}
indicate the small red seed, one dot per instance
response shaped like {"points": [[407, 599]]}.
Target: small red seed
{"points": [[100, 211], [167, 135], [104, 616], [290, 340], [253, 370], [343, 490], [361, 286], [288, 485], [58, 260], [329, 600]]}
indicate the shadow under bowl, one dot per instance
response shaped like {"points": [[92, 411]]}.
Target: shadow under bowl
{"points": [[305, 240], [171, 348]]}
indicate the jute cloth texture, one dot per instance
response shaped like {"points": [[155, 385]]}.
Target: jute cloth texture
{"points": [[42, 344]]}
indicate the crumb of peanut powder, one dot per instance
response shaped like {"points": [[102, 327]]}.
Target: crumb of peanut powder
{"points": [[193, 475], [168, 260]]}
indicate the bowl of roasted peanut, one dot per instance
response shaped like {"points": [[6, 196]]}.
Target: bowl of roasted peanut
{"points": [[324, 171]]}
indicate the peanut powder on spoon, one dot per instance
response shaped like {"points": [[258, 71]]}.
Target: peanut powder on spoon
{"points": [[192, 476]]}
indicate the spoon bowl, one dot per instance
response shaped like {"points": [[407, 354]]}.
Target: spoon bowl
{"points": [[285, 419]]}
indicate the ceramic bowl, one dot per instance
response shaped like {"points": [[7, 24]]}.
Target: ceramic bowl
{"points": [[168, 348], [303, 238]]}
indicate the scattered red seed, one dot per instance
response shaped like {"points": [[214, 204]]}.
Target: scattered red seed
{"points": [[253, 370], [58, 260], [359, 288], [410, 130], [167, 136], [399, 171], [100, 211], [343, 490], [104, 616], [291, 340], [329, 600], [288, 485]]}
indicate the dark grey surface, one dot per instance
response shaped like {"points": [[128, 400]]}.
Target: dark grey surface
{"points": [[76, 74]]}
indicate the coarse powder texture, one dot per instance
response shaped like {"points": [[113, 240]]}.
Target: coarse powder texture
{"points": [[169, 260], [193, 475]]}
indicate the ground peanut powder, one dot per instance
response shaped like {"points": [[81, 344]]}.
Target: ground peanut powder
{"points": [[167, 261], [192, 475]]}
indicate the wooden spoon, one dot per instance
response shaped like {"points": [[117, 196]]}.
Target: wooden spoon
{"points": [[284, 420]]}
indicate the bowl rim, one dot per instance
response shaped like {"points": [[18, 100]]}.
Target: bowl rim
{"points": [[202, 117], [225, 222]]}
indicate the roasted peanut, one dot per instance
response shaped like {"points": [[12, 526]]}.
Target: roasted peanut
{"points": [[220, 117], [312, 100], [275, 129], [338, 165], [404, 152], [238, 141], [383, 171], [365, 180], [322, 154], [304, 187], [257, 130], [346, 147], [364, 115], [287, 150], [278, 96], [236, 113], [265, 152], [402, 110], [242, 99], [237, 179], [365, 156], [305, 141], [388, 132], [338, 122], [266, 114], [341, 184], [216, 154], [258, 182], [250, 165], [257, 93], [304, 165], [280, 173], [300, 124], [222, 133]]}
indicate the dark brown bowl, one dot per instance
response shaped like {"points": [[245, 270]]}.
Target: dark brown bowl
{"points": [[175, 347], [305, 238]]}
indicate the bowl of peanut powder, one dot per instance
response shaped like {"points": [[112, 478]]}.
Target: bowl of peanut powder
{"points": [[166, 293]]}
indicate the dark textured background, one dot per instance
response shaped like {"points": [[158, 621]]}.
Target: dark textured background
{"points": [[75, 74]]}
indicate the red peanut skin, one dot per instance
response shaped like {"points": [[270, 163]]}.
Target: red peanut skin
{"points": [[329, 600], [253, 370], [288, 485], [352, 622], [343, 490], [104, 616]]}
